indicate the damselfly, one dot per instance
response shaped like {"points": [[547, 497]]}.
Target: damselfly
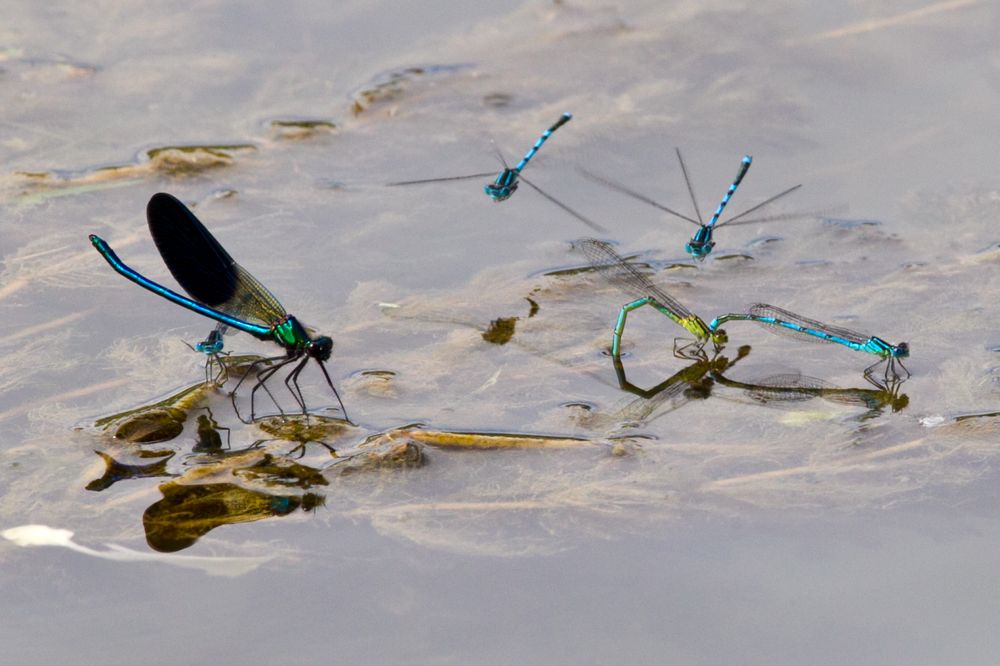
{"points": [[701, 243], [505, 184], [630, 279], [222, 290], [778, 320]]}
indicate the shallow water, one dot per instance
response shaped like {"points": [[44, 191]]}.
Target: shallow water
{"points": [[500, 498]]}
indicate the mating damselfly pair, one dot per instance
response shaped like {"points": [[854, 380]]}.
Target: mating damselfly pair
{"points": [[628, 277]]}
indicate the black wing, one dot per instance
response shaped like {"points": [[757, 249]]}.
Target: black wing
{"points": [[196, 260], [203, 267]]}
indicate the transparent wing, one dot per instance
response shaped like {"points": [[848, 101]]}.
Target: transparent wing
{"points": [[593, 225], [441, 180], [687, 181], [798, 215], [766, 202], [203, 267], [627, 276], [614, 185], [789, 387], [771, 312], [251, 301]]}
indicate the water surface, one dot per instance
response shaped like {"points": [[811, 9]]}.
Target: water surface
{"points": [[708, 521]]}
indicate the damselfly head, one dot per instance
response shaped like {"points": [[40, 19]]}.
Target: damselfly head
{"points": [[213, 344], [902, 350], [719, 337], [206, 347], [321, 348], [701, 243], [504, 185], [699, 250]]}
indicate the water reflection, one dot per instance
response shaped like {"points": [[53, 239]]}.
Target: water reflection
{"points": [[115, 470], [215, 485], [208, 438], [232, 487], [188, 512], [784, 389], [693, 382], [304, 430], [220, 486], [698, 380], [160, 421], [694, 377]]}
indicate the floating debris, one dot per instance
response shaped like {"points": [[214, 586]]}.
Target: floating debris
{"points": [[305, 428], [484, 440], [734, 257], [158, 422], [380, 454], [181, 160], [500, 330], [279, 471], [152, 425], [977, 415], [391, 86], [376, 383], [298, 129], [117, 471], [186, 160], [45, 69]]}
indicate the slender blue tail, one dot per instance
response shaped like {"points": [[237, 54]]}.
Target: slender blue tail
{"points": [[565, 118], [744, 167], [259, 332]]}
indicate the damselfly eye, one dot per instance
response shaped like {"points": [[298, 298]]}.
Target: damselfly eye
{"points": [[322, 347]]}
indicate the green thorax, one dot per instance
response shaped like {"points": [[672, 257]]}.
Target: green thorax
{"points": [[290, 334], [697, 327]]}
